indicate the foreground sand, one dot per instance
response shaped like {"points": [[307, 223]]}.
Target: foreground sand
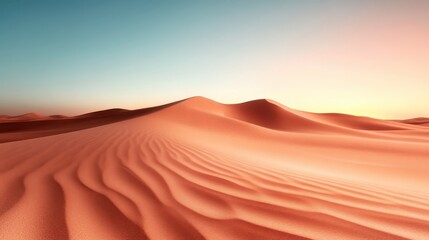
{"points": [[198, 169]]}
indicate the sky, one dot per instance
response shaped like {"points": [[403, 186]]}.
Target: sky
{"points": [[357, 57]]}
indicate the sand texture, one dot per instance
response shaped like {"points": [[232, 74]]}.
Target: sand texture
{"points": [[198, 169]]}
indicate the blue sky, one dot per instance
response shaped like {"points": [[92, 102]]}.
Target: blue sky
{"points": [[71, 57]]}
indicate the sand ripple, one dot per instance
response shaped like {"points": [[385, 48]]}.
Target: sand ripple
{"points": [[218, 172]]}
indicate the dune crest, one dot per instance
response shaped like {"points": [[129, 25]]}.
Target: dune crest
{"points": [[199, 169]]}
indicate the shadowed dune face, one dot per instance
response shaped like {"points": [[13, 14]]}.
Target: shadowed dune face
{"points": [[34, 125], [417, 121], [269, 115], [198, 169]]}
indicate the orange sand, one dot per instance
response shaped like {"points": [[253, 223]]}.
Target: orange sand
{"points": [[198, 169]]}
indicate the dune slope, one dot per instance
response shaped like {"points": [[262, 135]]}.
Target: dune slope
{"points": [[198, 169]]}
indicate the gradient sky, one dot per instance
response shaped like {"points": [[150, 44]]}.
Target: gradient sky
{"points": [[358, 57]]}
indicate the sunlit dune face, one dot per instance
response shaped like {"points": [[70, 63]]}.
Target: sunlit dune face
{"points": [[199, 169], [309, 120]]}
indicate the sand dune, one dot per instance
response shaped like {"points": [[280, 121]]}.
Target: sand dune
{"points": [[198, 169], [416, 121]]}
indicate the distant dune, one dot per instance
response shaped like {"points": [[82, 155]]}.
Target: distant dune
{"points": [[416, 121], [199, 169]]}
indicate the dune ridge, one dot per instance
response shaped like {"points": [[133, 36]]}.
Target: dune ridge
{"points": [[198, 169]]}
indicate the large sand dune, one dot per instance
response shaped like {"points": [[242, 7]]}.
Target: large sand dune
{"points": [[198, 169]]}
